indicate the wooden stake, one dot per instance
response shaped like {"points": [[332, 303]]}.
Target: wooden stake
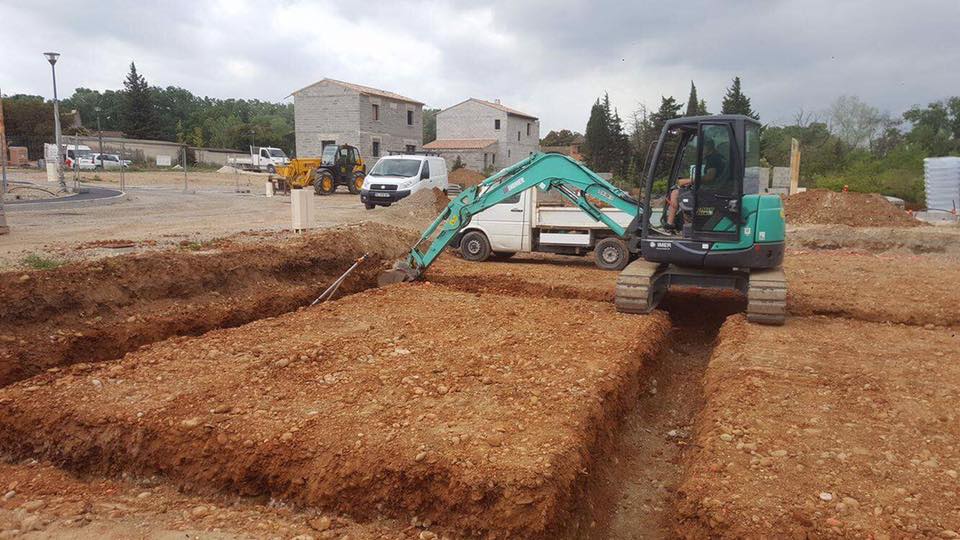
{"points": [[794, 165]]}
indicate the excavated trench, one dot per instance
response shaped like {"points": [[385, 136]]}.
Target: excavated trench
{"points": [[100, 310], [633, 494], [634, 469]]}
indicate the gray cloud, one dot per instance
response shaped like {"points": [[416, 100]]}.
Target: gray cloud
{"points": [[548, 58]]}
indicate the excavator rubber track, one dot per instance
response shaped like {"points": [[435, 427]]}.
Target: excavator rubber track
{"points": [[767, 297], [638, 290]]}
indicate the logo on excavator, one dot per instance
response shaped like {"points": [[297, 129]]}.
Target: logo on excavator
{"points": [[513, 184], [453, 220]]}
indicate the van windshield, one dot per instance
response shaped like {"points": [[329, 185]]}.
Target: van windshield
{"points": [[396, 167]]}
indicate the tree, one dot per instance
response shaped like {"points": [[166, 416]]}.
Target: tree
{"points": [[735, 102], [693, 104], [139, 118], [854, 122], [932, 128], [28, 121], [669, 109], [564, 137], [430, 125], [596, 142]]}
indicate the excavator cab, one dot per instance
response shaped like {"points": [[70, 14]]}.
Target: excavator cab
{"points": [[727, 234]]}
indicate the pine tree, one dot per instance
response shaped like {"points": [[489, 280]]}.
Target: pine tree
{"points": [[735, 102], [669, 109], [693, 104], [597, 137], [702, 108], [138, 116]]}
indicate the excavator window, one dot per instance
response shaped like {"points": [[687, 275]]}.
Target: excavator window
{"points": [[716, 192]]}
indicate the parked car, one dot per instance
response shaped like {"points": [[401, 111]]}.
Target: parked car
{"points": [[396, 177], [108, 161]]}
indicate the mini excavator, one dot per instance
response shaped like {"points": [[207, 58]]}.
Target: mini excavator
{"points": [[717, 231]]}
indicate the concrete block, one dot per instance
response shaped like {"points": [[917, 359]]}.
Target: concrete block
{"points": [[781, 177], [269, 188], [301, 208], [764, 177]]}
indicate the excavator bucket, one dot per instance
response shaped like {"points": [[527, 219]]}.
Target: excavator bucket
{"points": [[400, 273]]}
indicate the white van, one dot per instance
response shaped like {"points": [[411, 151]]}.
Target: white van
{"points": [[395, 177]]}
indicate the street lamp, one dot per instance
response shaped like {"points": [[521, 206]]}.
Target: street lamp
{"points": [[253, 140], [100, 136], [52, 58]]}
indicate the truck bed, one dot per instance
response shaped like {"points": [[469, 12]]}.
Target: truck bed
{"points": [[566, 217]]}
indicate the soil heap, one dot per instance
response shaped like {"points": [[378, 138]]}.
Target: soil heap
{"points": [[465, 177], [824, 207], [415, 212]]}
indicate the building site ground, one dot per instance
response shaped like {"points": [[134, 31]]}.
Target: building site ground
{"points": [[184, 386]]}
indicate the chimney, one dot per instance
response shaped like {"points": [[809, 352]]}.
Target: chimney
{"points": [[497, 101]]}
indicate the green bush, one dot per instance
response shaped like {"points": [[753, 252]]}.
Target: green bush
{"points": [[39, 262], [899, 174]]}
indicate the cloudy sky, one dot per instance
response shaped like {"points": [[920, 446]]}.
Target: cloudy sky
{"points": [[551, 59]]}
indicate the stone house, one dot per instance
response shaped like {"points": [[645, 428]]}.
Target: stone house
{"points": [[485, 134], [375, 121]]}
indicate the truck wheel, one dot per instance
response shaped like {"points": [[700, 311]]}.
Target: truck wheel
{"points": [[369, 206], [611, 254], [474, 246], [271, 169], [357, 183], [323, 183]]}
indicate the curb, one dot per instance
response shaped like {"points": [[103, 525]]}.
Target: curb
{"points": [[114, 197]]}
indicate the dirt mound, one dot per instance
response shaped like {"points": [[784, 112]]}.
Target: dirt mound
{"points": [[101, 309], [821, 206], [465, 177], [415, 212], [826, 428], [382, 403], [47, 502]]}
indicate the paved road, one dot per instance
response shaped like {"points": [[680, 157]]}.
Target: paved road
{"points": [[164, 214]]}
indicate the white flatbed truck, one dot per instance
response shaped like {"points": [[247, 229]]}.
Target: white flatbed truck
{"points": [[534, 221]]}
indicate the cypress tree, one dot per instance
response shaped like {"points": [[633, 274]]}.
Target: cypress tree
{"points": [[693, 104], [735, 102], [138, 116]]}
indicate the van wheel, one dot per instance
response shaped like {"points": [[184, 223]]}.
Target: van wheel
{"points": [[323, 183], [474, 246], [369, 206], [271, 169], [357, 184], [611, 254]]}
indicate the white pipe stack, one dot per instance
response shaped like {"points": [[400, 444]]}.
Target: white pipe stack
{"points": [[941, 176]]}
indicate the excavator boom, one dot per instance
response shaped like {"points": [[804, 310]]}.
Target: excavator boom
{"points": [[571, 179]]}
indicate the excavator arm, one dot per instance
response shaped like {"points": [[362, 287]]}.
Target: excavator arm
{"points": [[571, 179]]}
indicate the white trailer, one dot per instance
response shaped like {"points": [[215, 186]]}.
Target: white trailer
{"points": [[534, 221], [262, 159]]}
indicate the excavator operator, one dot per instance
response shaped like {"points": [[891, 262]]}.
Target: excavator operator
{"points": [[713, 166]]}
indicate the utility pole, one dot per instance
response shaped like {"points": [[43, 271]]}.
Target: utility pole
{"points": [[52, 58], [4, 229], [184, 168], [100, 137]]}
